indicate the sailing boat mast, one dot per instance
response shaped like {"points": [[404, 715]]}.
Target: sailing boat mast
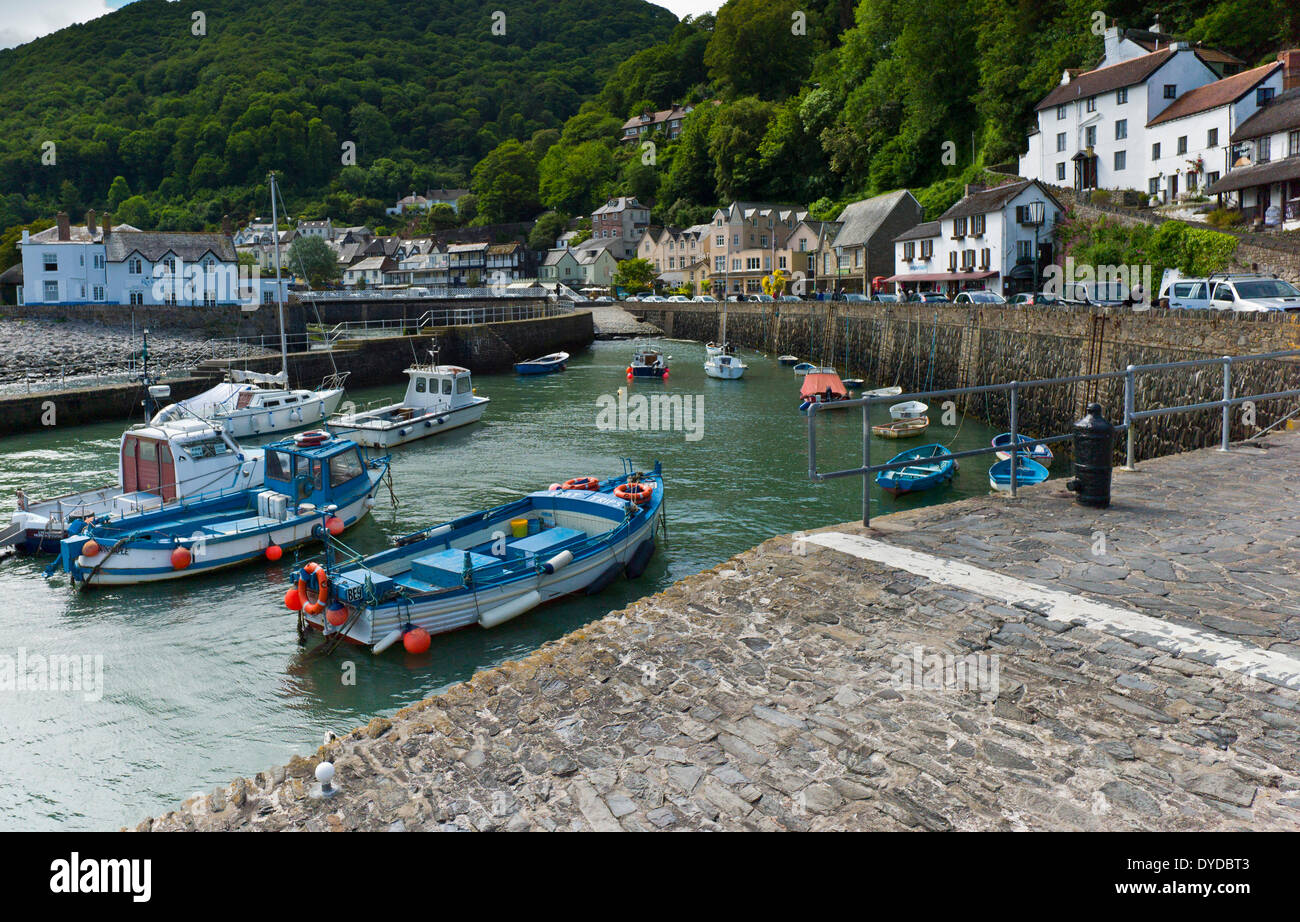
{"points": [[279, 297]]}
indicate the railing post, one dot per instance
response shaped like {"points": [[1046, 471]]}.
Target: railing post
{"points": [[1128, 418], [866, 463], [1227, 395], [1015, 457]]}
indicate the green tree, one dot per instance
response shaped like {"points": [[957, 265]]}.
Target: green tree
{"points": [[755, 51], [547, 230], [118, 193], [635, 275], [734, 147], [575, 178], [505, 182], [312, 259], [135, 211]]}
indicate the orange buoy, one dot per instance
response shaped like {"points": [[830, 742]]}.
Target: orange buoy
{"points": [[416, 640], [181, 558], [322, 588], [638, 493], [334, 525], [629, 370], [292, 600], [336, 614], [274, 552], [665, 374], [582, 483], [90, 548]]}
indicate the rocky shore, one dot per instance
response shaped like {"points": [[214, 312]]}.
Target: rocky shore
{"points": [[777, 691], [49, 351]]}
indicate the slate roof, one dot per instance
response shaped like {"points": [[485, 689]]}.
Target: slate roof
{"points": [[78, 234], [1259, 174], [1104, 79], [1281, 114], [920, 232], [994, 199], [154, 245], [859, 221], [1212, 95]]}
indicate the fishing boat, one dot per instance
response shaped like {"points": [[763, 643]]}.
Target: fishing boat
{"points": [[1028, 473], [438, 398], [804, 368], [648, 363], [787, 360], [824, 388], [902, 428], [726, 367], [933, 466], [908, 409], [315, 484], [488, 567], [545, 365], [157, 463], [1040, 453], [254, 403]]}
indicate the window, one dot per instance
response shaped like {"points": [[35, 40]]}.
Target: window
{"points": [[420, 384], [1212, 138], [1182, 145], [1265, 145], [463, 385], [721, 240], [1211, 178], [1223, 293], [446, 387], [1024, 250], [1155, 151], [137, 297], [1121, 159], [762, 241], [1121, 129], [345, 467], [751, 262], [1171, 91], [1263, 94], [952, 261], [134, 266], [1060, 112], [986, 256], [977, 225], [735, 240], [1121, 95], [1153, 185], [279, 466], [99, 260], [927, 249], [1090, 136], [99, 292], [719, 264], [1060, 171], [735, 264], [1060, 141], [51, 261], [51, 291], [780, 262], [170, 263], [959, 227], [1091, 104], [909, 251], [1293, 144]]}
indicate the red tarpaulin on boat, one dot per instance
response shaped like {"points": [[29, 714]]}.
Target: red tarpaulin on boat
{"points": [[817, 384]]}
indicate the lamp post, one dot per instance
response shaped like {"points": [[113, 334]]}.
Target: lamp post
{"points": [[1034, 214]]}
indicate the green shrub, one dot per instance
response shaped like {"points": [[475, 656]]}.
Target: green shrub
{"points": [[1224, 217], [1100, 197]]}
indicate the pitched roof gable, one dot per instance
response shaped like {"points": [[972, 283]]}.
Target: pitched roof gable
{"points": [[1105, 79], [1212, 95]]}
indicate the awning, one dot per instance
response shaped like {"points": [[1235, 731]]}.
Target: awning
{"points": [[942, 276], [1260, 174]]}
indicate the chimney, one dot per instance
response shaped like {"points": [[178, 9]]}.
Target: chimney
{"points": [[973, 187], [226, 227], [1110, 42], [108, 225], [90, 223], [1290, 68], [65, 227], [1155, 26]]}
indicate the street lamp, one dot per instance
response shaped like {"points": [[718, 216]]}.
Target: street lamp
{"points": [[1034, 214]]}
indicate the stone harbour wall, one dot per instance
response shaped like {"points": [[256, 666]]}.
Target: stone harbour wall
{"points": [[941, 346]]}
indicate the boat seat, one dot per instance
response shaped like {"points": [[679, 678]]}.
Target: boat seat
{"points": [[235, 526], [545, 543], [445, 569]]}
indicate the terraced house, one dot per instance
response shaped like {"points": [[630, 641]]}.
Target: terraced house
{"points": [[746, 241], [1263, 179]]}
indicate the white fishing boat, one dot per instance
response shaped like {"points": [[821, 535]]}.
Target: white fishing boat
{"points": [[438, 398], [721, 360], [255, 403]]}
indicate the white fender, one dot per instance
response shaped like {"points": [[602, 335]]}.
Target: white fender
{"points": [[390, 638], [558, 562], [440, 530], [503, 613]]}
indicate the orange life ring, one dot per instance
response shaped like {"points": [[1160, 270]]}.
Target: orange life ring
{"points": [[311, 437], [581, 483], [638, 493], [322, 589]]}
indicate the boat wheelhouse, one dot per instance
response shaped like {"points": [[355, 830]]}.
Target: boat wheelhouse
{"points": [[438, 398], [648, 363]]}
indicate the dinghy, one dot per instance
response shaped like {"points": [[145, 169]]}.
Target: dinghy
{"points": [[1040, 453], [902, 428], [315, 484], [804, 368], [438, 398], [908, 409], [545, 365], [824, 388], [787, 360], [489, 567], [648, 363], [854, 384], [883, 392], [933, 467], [1028, 473]]}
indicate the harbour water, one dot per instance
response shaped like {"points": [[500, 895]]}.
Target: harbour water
{"points": [[203, 679]]}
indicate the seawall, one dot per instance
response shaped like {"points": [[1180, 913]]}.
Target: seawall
{"points": [[939, 346]]}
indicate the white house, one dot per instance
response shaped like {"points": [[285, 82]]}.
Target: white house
{"points": [[992, 239], [119, 264], [1264, 177]]}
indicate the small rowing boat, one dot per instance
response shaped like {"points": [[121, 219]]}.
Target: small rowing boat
{"points": [[883, 392], [854, 384], [804, 368], [545, 365], [902, 428], [788, 360], [1028, 473], [908, 409], [933, 466], [1040, 453]]}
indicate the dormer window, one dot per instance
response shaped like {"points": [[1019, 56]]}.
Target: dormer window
{"points": [[1171, 91]]}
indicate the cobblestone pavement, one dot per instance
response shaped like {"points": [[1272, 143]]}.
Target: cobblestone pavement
{"points": [[800, 687], [615, 323]]}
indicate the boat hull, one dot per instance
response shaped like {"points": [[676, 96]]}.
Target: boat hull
{"points": [[366, 429], [903, 428], [1028, 473], [543, 366], [646, 371], [258, 422]]}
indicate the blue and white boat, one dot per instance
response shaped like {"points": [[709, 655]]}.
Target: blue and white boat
{"points": [[933, 466], [314, 484], [547, 364], [1040, 453], [1028, 473], [804, 368], [489, 567], [648, 363]]}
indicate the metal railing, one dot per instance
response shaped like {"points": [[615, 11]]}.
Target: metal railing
{"points": [[422, 292], [1018, 444]]}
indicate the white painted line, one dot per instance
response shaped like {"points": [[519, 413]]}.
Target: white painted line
{"points": [[1176, 640]]}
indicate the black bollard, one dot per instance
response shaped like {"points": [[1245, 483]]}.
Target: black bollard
{"points": [[1094, 456]]}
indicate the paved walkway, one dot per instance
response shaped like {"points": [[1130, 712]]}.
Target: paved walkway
{"points": [[614, 323], [988, 664]]}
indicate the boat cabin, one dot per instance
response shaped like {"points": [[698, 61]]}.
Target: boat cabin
{"points": [[314, 468], [180, 458], [648, 358], [440, 387]]}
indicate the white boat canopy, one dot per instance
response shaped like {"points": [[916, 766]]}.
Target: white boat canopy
{"points": [[219, 399], [257, 377]]}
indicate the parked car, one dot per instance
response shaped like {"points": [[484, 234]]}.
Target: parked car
{"points": [[705, 299], [680, 299], [790, 298], [928, 297], [763, 298], [737, 298], [853, 296], [654, 299], [1254, 293], [1039, 298], [1098, 294], [885, 298], [979, 297], [1186, 294]]}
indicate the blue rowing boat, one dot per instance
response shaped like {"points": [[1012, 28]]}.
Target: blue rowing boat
{"points": [[545, 365], [805, 368], [1028, 473], [488, 567], [933, 467], [1040, 453]]}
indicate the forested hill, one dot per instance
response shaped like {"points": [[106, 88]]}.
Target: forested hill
{"points": [[193, 122]]}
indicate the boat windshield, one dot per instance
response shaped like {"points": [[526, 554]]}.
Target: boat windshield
{"points": [[345, 467], [279, 466]]}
